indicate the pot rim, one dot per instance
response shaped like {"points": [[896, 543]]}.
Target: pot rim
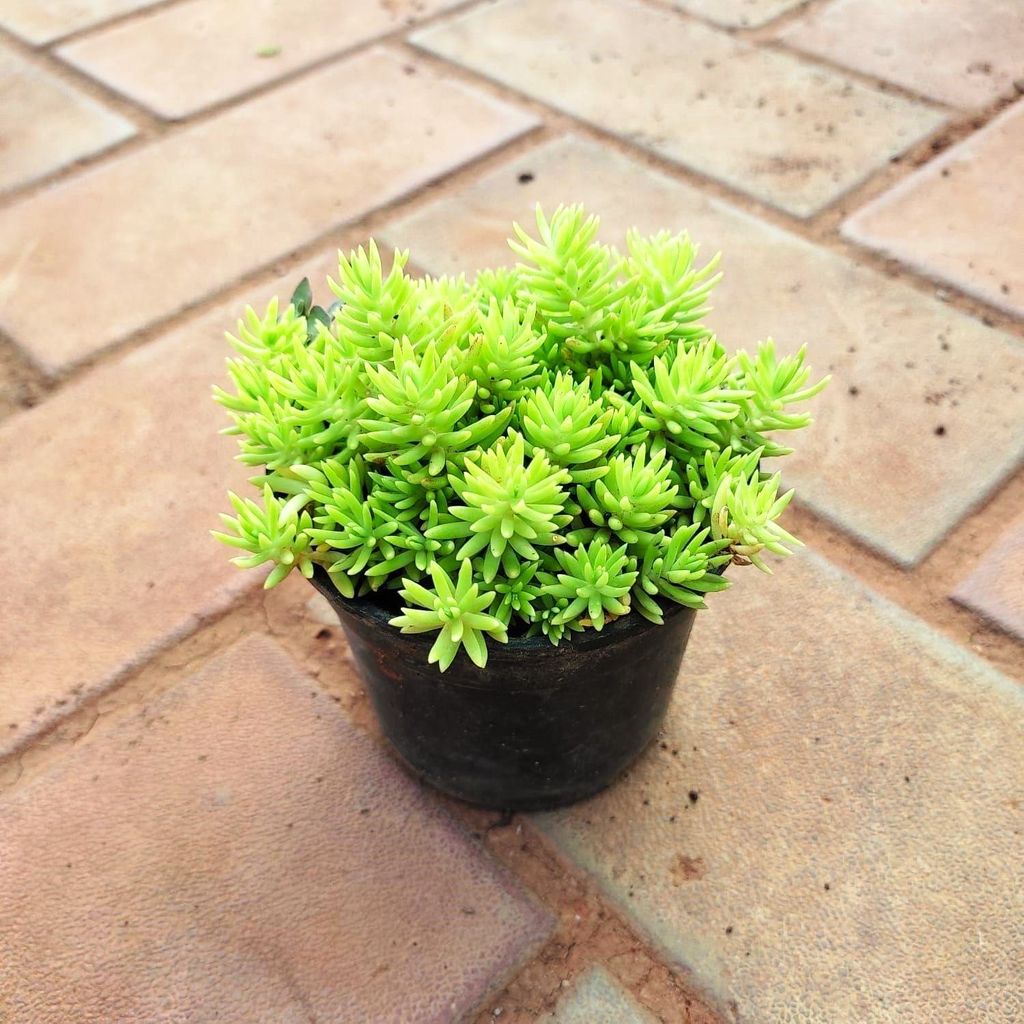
{"points": [[369, 612]]}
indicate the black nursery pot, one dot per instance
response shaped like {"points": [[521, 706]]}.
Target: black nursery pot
{"points": [[539, 726]]}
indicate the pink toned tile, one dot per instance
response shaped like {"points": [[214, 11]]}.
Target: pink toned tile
{"points": [[46, 125], [995, 589], [962, 52], [239, 852], [141, 237], [182, 58], [961, 217]]}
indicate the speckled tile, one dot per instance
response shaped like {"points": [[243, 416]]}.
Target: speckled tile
{"points": [[832, 828], [959, 218], [239, 852], [962, 52], [792, 134]]}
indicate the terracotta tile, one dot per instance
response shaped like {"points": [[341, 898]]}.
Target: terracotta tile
{"points": [[962, 52], [763, 122], [128, 472], [598, 999], [133, 448], [138, 238], [925, 414], [736, 13], [45, 125], [995, 589], [42, 21], [239, 852], [831, 828], [961, 217], [180, 59]]}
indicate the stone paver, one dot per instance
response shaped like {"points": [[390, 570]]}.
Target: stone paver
{"points": [[133, 568], [962, 52], [736, 13], [995, 588], [239, 852], [46, 125], [961, 217], [42, 21], [183, 58], [128, 564], [227, 196], [798, 136], [910, 373], [598, 999], [833, 827]]}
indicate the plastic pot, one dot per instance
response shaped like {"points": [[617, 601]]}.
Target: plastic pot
{"points": [[540, 726]]}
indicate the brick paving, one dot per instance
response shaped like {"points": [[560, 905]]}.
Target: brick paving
{"points": [[960, 218], [45, 125], [198, 820], [974, 44], [800, 135]]}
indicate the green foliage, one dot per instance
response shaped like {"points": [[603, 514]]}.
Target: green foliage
{"points": [[458, 610], [536, 450], [561, 418], [594, 582], [276, 531], [510, 506]]}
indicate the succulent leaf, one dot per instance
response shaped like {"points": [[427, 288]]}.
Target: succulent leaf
{"points": [[458, 610]]}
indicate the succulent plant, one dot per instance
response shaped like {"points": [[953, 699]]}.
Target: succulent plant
{"points": [[458, 610], [593, 582], [534, 450]]}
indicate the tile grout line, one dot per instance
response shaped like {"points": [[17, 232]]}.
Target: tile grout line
{"points": [[818, 229], [151, 126]]}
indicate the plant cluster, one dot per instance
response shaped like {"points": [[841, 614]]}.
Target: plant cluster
{"points": [[534, 450]]}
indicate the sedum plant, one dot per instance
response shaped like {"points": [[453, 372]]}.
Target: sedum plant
{"points": [[534, 451]]}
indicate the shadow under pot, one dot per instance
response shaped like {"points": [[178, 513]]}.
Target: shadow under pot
{"points": [[537, 728]]}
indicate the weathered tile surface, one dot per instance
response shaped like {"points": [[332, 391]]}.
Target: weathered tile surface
{"points": [[798, 136], [182, 58], [125, 474], [962, 52], [132, 567], [833, 829], [961, 217], [239, 852], [46, 125], [911, 375], [156, 230], [598, 999], [41, 21], [995, 588], [736, 13]]}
